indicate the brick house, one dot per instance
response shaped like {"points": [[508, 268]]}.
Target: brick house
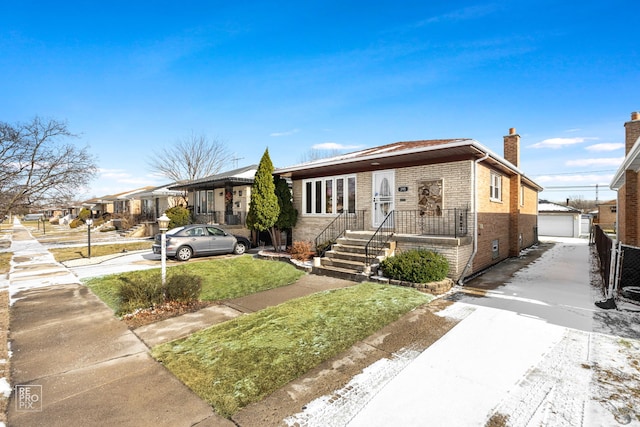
{"points": [[626, 182], [222, 198], [607, 214], [451, 195]]}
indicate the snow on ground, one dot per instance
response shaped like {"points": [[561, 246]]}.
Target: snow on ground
{"points": [[535, 352]]}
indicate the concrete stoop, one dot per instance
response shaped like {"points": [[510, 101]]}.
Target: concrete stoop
{"points": [[346, 259]]}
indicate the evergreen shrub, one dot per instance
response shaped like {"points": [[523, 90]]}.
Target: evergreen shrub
{"points": [[416, 266], [179, 216]]}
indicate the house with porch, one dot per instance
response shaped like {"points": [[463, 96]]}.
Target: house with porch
{"points": [[626, 182], [222, 198], [454, 196], [154, 202]]}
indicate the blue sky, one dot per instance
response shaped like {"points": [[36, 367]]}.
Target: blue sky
{"points": [[132, 77]]}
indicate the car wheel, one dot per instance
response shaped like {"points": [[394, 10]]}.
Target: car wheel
{"points": [[184, 253], [239, 248]]}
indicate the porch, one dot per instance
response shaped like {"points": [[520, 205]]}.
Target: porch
{"points": [[346, 249]]}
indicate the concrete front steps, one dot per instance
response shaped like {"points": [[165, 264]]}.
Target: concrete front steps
{"points": [[346, 259]]}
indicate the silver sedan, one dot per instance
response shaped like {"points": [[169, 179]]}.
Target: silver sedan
{"points": [[199, 240]]}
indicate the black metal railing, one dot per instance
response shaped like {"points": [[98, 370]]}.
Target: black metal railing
{"points": [[379, 240], [449, 222], [336, 228], [222, 218]]}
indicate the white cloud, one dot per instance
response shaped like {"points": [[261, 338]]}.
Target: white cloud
{"points": [[286, 133], [334, 146], [463, 14], [114, 173], [615, 161], [556, 143], [607, 146]]}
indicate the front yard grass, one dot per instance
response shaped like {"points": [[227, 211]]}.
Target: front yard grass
{"points": [[222, 278], [77, 252], [245, 359]]}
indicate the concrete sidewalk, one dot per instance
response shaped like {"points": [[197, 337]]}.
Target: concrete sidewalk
{"points": [[84, 366], [81, 365]]}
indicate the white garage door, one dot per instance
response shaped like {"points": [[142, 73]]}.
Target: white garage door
{"points": [[555, 225]]}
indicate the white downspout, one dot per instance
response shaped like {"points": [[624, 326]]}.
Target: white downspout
{"points": [[475, 217]]}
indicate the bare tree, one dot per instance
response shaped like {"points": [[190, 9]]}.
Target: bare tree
{"points": [[37, 167], [317, 154], [193, 157]]}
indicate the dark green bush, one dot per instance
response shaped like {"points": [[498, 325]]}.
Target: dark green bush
{"points": [[183, 287], [179, 216], [417, 266], [146, 291]]}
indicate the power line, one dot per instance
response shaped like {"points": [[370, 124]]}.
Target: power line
{"points": [[576, 173]]}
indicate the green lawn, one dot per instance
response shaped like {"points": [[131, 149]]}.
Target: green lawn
{"points": [[222, 278], [243, 360]]}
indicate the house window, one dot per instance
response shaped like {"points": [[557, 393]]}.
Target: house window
{"points": [[521, 196], [496, 187], [329, 195]]}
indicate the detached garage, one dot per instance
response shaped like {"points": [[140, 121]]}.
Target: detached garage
{"points": [[558, 220]]}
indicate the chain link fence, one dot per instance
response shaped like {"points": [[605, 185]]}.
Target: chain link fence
{"points": [[619, 267]]}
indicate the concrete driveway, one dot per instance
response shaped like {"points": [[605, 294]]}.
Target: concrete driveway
{"points": [[529, 350]]}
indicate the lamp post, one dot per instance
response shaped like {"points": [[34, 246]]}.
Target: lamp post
{"points": [[44, 230], [163, 224], [89, 224]]}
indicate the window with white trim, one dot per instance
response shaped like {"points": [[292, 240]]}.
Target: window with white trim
{"points": [[329, 195], [496, 187]]}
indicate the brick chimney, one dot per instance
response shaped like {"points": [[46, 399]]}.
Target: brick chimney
{"points": [[512, 147], [632, 131]]}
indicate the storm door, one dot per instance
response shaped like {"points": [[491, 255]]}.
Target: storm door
{"points": [[383, 195]]}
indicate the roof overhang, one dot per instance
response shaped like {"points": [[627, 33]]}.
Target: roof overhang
{"points": [[631, 162], [214, 183], [451, 151]]}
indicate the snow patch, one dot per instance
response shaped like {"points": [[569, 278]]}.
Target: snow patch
{"points": [[5, 387]]}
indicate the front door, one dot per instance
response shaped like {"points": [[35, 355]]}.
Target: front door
{"points": [[383, 195]]}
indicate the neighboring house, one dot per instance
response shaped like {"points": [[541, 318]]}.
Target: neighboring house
{"points": [[222, 198], [627, 182], [124, 203], [607, 214], [558, 220], [155, 202], [453, 195]]}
